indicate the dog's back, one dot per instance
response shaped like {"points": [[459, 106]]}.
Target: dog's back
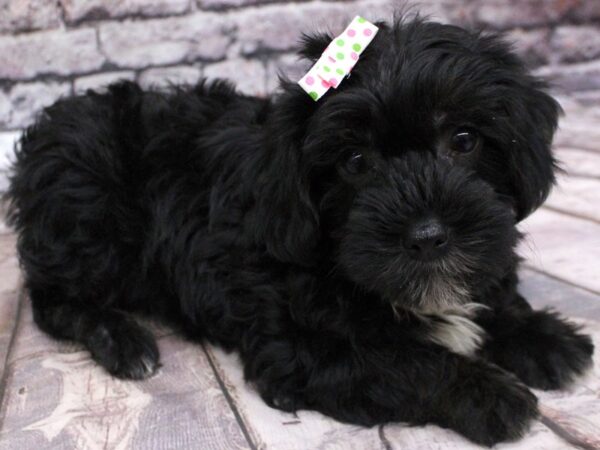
{"points": [[93, 189]]}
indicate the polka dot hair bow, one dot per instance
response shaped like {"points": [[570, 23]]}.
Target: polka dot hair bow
{"points": [[339, 58]]}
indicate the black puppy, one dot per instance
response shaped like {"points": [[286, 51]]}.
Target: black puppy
{"points": [[358, 252]]}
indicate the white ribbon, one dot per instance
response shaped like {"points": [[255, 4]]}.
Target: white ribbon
{"points": [[339, 58]]}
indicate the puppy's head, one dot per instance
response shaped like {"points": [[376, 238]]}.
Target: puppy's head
{"points": [[410, 177]]}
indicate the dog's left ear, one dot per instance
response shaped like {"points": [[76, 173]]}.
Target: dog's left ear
{"points": [[530, 119], [312, 46], [531, 165]]}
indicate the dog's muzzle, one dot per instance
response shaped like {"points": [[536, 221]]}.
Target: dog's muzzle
{"points": [[428, 232]]}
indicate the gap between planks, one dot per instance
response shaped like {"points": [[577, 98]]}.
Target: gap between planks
{"points": [[5, 368], [229, 398], [562, 280]]}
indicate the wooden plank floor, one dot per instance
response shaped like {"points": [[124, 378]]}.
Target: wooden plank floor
{"points": [[54, 396]]}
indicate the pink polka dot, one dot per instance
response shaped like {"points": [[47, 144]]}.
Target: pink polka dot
{"points": [[324, 83], [354, 56], [333, 82], [310, 80], [351, 32], [367, 32]]}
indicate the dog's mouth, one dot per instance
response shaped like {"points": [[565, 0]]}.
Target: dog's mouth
{"points": [[448, 280], [432, 284]]}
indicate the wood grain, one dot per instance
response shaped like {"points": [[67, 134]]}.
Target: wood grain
{"points": [[578, 162], [578, 196], [57, 397], [272, 429], [570, 418], [565, 247], [542, 291], [574, 414], [579, 128], [9, 298]]}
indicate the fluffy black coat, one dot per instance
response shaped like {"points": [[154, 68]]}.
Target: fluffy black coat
{"points": [[299, 233]]}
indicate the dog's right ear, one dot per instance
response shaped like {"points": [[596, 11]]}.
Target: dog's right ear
{"points": [[312, 46], [286, 219]]}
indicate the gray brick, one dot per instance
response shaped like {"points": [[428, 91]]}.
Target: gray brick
{"points": [[531, 45], [576, 43], [21, 15], [375, 10], [289, 65], [585, 11], [135, 44], [279, 27], [222, 4], [28, 99], [247, 75], [165, 76], [49, 52], [77, 10], [101, 80], [505, 14]]}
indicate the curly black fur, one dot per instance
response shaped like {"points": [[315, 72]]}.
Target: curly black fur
{"points": [[253, 224]]}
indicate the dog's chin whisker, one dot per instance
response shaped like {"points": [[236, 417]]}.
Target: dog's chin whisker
{"points": [[456, 263], [442, 296], [430, 294]]}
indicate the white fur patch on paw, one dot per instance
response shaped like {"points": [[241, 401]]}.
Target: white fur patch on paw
{"points": [[149, 366], [454, 329]]}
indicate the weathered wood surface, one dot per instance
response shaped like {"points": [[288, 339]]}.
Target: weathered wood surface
{"points": [[579, 163], [9, 297], [579, 127], [578, 189], [55, 397], [563, 246], [543, 291], [571, 417], [577, 196]]}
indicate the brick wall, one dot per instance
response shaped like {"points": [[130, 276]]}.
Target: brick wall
{"points": [[51, 48]]}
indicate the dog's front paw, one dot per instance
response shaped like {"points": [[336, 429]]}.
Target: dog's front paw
{"points": [[490, 406], [545, 351], [278, 397]]}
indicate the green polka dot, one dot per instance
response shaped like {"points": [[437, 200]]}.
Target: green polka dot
{"points": [[339, 71], [339, 55], [361, 20], [356, 47], [313, 95], [340, 42], [326, 69]]}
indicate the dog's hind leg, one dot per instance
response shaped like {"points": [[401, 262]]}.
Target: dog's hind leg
{"points": [[76, 202], [115, 341]]}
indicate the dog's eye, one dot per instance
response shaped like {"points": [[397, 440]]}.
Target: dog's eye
{"points": [[464, 141], [356, 163]]}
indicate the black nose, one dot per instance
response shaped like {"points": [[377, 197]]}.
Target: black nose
{"points": [[426, 239]]}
